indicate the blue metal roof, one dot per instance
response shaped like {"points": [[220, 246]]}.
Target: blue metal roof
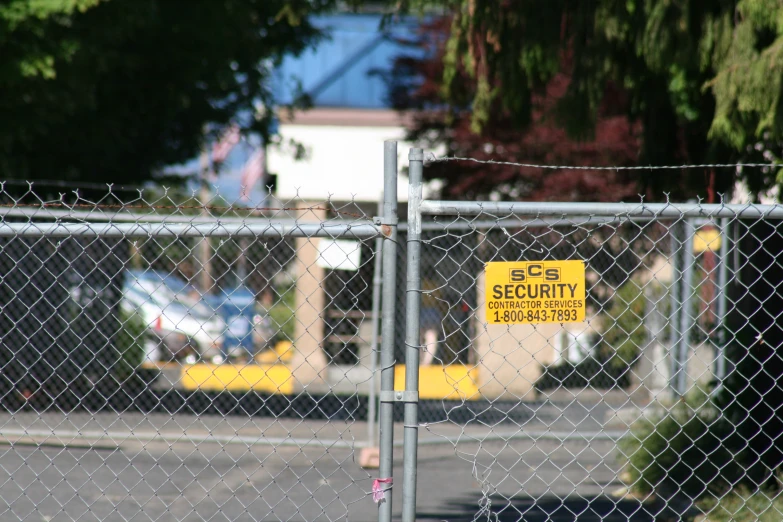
{"points": [[338, 71]]}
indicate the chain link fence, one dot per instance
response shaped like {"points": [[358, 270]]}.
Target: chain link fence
{"points": [[168, 358], [663, 403], [165, 357]]}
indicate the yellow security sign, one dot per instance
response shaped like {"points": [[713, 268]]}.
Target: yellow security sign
{"points": [[526, 292]]}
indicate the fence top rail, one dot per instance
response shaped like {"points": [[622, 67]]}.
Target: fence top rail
{"points": [[97, 212], [44, 215], [216, 228], [626, 210], [528, 222]]}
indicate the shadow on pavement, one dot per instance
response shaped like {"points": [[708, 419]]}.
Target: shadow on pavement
{"points": [[546, 509]]}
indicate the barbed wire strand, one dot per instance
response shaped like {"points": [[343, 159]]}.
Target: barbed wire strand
{"points": [[432, 158]]}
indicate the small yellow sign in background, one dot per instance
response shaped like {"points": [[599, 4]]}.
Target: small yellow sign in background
{"points": [[706, 239], [528, 292]]}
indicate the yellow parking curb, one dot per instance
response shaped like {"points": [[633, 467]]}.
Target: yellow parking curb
{"points": [[271, 378], [449, 382]]}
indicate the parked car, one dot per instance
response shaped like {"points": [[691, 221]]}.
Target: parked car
{"points": [[185, 328]]}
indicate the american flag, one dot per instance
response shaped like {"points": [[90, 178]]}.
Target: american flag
{"points": [[223, 147], [252, 172]]}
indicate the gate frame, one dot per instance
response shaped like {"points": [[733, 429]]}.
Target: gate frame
{"points": [[689, 213]]}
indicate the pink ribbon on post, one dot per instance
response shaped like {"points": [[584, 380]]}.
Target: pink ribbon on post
{"points": [[378, 493]]}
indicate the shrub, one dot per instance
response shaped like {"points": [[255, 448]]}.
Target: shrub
{"points": [[129, 344], [682, 450], [742, 505], [283, 314], [623, 333]]}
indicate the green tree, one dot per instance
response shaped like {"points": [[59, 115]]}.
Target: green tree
{"points": [[113, 90], [129, 345], [702, 77], [624, 333]]}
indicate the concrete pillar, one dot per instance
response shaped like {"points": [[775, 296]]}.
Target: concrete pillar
{"points": [[699, 367], [308, 364], [652, 372]]}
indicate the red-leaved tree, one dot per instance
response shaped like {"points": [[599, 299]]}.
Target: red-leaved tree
{"points": [[416, 88]]}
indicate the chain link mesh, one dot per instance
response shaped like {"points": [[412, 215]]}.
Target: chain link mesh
{"points": [[166, 359], [664, 404]]}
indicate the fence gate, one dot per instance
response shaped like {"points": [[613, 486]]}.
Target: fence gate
{"points": [[581, 361], [166, 359], [163, 358]]}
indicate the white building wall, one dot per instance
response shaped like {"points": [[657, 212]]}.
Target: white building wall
{"points": [[742, 195], [344, 162]]}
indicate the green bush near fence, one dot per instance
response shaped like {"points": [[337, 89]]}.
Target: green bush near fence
{"points": [[683, 450], [744, 505], [283, 313], [623, 333], [129, 344]]}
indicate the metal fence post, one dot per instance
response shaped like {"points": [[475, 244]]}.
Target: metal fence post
{"points": [[412, 338], [723, 269], [376, 329], [389, 299], [204, 246], [686, 314], [675, 308]]}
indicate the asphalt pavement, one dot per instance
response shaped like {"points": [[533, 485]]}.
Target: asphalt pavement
{"points": [[105, 466]]}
